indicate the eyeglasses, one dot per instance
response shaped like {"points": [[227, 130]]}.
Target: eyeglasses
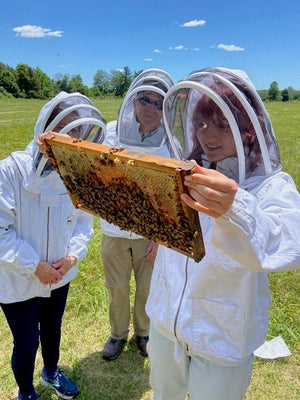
{"points": [[145, 101]]}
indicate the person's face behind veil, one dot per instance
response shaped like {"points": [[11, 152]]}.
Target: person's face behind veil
{"points": [[211, 129], [148, 110], [75, 132], [214, 136]]}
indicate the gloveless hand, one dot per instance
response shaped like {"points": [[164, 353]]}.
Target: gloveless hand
{"points": [[65, 264], [47, 274], [151, 251], [41, 144], [210, 191]]}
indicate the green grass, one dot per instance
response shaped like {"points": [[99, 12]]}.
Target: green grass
{"points": [[286, 122], [85, 325], [18, 117]]}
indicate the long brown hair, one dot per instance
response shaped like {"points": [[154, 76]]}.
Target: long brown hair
{"points": [[208, 108]]}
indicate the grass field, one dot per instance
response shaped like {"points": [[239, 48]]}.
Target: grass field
{"points": [[86, 327]]}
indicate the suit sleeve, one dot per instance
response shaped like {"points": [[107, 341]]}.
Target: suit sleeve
{"points": [[262, 232]]}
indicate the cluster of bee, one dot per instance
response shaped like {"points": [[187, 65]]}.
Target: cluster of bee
{"points": [[136, 204]]}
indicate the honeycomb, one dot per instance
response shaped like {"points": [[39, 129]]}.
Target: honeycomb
{"points": [[136, 191]]}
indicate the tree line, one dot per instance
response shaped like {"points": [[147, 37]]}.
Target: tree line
{"points": [[27, 82]]}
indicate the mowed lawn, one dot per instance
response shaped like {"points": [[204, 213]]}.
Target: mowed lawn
{"points": [[86, 327]]}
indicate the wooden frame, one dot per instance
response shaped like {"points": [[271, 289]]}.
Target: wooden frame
{"points": [[138, 192]]}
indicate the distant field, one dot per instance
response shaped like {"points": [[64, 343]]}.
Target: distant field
{"points": [[285, 118], [18, 117], [86, 326]]}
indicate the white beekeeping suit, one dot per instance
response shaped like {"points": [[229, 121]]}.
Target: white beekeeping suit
{"points": [[218, 308], [38, 221]]}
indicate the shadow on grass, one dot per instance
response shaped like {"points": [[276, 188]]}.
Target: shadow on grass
{"points": [[126, 378]]}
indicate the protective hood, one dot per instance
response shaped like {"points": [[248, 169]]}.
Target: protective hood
{"points": [[230, 94], [49, 186], [128, 126], [154, 76], [70, 113]]}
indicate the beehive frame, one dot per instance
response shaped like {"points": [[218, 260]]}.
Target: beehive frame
{"points": [[138, 192]]}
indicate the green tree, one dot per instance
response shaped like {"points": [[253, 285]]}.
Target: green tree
{"points": [[102, 81], [76, 85], [95, 92], [61, 83], [47, 88], [273, 92], [296, 95], [4, 93], [292, 92], [136, 73], [120, 81], [28, 81], [285, 96], [8, 80], [263, 94]]}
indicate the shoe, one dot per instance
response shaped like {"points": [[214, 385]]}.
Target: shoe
{"points": [[32, 396], [63, 386], [142, 342], [113, 348]]}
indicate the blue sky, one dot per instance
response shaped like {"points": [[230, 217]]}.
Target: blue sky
{"points": [[80, 37]]}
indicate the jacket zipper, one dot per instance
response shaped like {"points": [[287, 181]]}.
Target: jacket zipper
{"points": [[47, 249], [181, 297]]}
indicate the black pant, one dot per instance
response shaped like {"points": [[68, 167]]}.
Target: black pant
{"points": [[29, 320]]}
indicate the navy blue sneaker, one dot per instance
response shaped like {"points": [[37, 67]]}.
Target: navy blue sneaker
{"points": [[32, 396], [63, 386]]}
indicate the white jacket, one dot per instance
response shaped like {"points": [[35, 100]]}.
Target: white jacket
{"points": [[35, 225], [218, 308], [38, 222]]}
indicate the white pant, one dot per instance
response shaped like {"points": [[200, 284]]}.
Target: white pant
{"points": [[172, 379]]}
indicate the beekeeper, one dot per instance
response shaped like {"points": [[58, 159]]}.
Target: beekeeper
{"points": [[42, 239], [208, 318], [139, 127]]}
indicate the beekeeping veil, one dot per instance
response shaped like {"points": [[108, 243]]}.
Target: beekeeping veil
{"points": [[232, 93], [70, 113], [154, 80]]}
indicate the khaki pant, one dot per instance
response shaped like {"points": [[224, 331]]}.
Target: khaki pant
{"points": [[120, 257]]}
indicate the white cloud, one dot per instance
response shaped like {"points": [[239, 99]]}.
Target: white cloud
{"points": [[148, 59], [33, 31], [181, 47], [193, 23], [157, 51], [55, 34], [230, 47]]}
